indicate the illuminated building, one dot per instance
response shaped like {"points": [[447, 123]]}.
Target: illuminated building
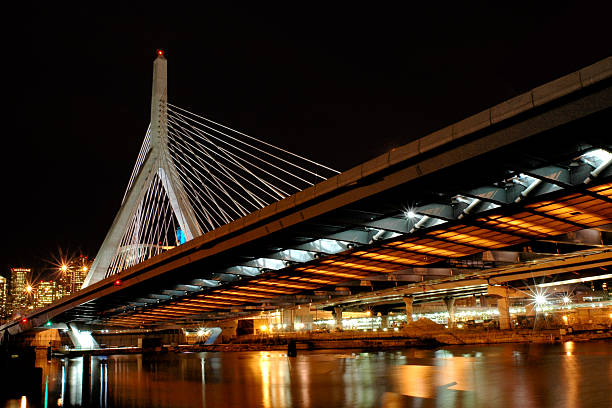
{"points": [[45, 293], [19, 297], [73, 275], [3, 297]]}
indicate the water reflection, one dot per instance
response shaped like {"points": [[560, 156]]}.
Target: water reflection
{"points": [[566, 375]]}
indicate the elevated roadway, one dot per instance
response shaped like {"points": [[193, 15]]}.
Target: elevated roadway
{"points": [[530, 175]]}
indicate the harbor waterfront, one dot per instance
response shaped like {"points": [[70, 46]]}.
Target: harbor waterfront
{"points": [[569, 374]]}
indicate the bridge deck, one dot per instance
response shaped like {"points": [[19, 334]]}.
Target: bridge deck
{"points": [[359, 226]]}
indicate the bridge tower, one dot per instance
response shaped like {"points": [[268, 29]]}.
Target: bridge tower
{"points": [[157, 163]]}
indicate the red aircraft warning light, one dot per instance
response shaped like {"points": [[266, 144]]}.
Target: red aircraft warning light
{"points": [[24, 320], [160, 52], [118, 282]]}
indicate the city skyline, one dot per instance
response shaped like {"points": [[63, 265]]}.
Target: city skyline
{"points": [[26, 289]]}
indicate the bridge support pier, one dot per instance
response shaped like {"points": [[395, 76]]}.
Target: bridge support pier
{"points": [[408, 300], [504, 313], [337, 313], [302, 315], [287, 319], [450, 306], [228, 330], [81, 339], [503, 294], [384, 320], [484, 302]]}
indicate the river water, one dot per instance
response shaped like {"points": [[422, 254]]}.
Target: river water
{"points": [[509, 375]]}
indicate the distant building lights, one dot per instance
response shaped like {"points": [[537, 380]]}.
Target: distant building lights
{"points": [[566, 299]]}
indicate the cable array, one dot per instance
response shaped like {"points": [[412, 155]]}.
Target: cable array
{"points": [[228, 174], [219, 173], [142, 154], [151, 231]]}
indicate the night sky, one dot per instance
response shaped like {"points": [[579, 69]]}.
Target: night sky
{"points": [[337, 85]]}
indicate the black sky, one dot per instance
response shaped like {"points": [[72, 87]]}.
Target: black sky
{"points": [[338, 85]]}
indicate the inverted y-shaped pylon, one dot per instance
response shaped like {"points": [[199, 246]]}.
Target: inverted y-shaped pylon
{"points": [[193, 175], [155, 170]]}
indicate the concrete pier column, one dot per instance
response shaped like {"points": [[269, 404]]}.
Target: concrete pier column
{"points": [[484, 302], [408, 302], [287, 319], [304, 316], [471, 301], [384, 320], [450, 306], [228, 330], [504, 313], [503, 294], [337, 313]]}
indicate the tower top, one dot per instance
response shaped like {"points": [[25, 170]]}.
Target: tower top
{"points": [[160, 53]]}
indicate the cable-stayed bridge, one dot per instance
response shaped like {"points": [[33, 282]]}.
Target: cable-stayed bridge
{"points": [[216, 224]]}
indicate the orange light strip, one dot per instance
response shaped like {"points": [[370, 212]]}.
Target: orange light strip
{"points": [[469, 238], [524, 225], [287, 284], [210, 305], [255, 295], [333, 273], [354, 265], [214, 302], [265, 290], [603, 189], [387, 258], [430, 250], [322, 281], [565, 212]]}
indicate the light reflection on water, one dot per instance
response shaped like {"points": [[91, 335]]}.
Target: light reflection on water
{"points": [[566, 375]]}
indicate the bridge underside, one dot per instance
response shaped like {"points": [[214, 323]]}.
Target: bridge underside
{"points": [[533, 186], [379, 247]]}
